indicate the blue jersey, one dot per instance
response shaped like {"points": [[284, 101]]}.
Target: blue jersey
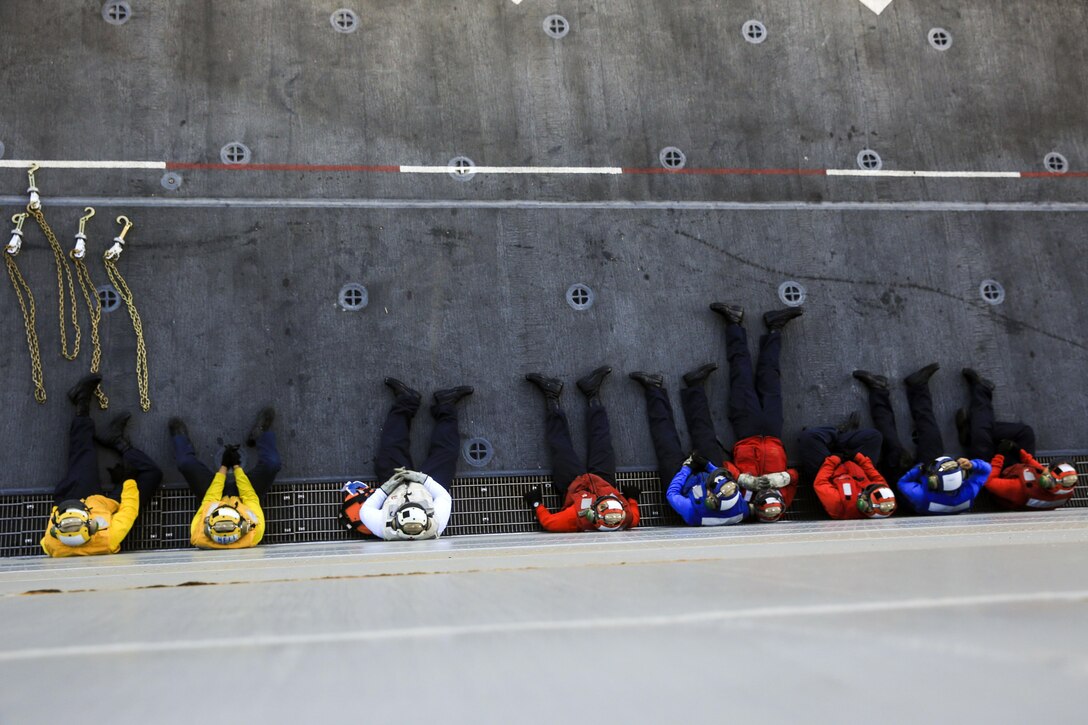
{"points": [[687, 495], [915, 491]]}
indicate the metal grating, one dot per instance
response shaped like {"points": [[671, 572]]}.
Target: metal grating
{"points": [[307, 512]]}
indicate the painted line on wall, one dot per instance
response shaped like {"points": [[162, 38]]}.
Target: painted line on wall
{"points": [[21, 164]]}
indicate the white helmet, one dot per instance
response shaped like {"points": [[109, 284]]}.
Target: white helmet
{"points": [[411, 519]]}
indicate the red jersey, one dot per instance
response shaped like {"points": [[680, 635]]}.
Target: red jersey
{"points": [[839, 483], [581, 494], [1017, 486]]}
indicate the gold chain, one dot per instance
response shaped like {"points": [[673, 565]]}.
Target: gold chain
{"points": [[141, 349], [94, 309], [62, 264], [21, 289]]}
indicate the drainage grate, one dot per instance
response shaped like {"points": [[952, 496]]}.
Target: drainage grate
{"points": [[462, 168], [754, 32], [556, 26], [940, 38], [869, 160], [108, 298], [116, 13], [170, 181], [477, 452], [344, 21], [235, 152], [1053, 162], [353, 296], [792, 293], [580, 297], [992, 292], [672, 158]]}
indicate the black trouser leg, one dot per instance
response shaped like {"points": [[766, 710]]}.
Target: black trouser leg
{"points": [[565, 464], [148, 475], [704, 439], [600, 456], [982, 443], [441, 463], [195, 473], [865, 440], [769, 383], [892, 462], [814, 446], [670, 455], [927, 434], [745, 413], [394, 445], [263, 475], [81, 479], [1021, 434]]}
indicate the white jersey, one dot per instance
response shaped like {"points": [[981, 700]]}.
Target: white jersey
{"points": [[377, 511]]}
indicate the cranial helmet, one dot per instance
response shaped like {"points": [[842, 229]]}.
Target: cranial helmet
{"points": [[411, 518], [225, 525], [876, 501], [72, 524], [768, 505], [608, 513], [722, 492], [1060, 478], [945, 475]]}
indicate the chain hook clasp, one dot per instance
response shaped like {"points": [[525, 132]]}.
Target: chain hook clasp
{"points": [[80, 250], [35, 200], [16, 242], [114, 252]]}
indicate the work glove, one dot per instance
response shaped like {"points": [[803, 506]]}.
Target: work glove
{"points": [[1007, 448], [533, 497], [748, 481], [409, 476], [394, 481], [231, 457], [631, 492], [121, 473], [965, 463], [689, 459], [698, 463]]}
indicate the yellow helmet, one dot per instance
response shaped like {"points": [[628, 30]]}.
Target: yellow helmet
{"points": [[72, 524], [225, 525]]}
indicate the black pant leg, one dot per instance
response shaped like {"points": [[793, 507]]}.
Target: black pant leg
{"points": [[81, 479], [927, 434], [441, 463], [891, 463], [1021, 434], [263, 474], [600, 456], [745, 413], [814, 446], [865, 440], [670, 455], [148, 474], [394, 445], [983, 442], [195, 473], [565, 464], [704, 439], [769, 382]]}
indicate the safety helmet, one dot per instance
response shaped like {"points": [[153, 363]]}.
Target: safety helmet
{"points": [[876, 501], [72, 524], [768, 505], [355, 493], [225, 525], [722, 492], [411, 518], [1059, 478], [945, 475], [608, 513]]}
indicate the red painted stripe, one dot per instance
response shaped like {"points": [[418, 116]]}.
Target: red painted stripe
{"points": [[725, 172], [174, 165], [1051, 174]]}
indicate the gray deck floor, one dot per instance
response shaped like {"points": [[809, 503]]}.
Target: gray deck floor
{"points": [[968, 618]]}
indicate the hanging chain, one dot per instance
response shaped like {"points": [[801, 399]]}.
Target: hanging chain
{"points": [[94, 305], [26, 304], [64, 273], [110, 260]]}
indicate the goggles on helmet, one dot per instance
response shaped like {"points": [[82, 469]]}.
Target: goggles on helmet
{"points": [[609, 513], [73, 524], [722, 492], [411, 518], [768, 506], [876, 501], [945, 475], [225, 525], [1059, 478]]}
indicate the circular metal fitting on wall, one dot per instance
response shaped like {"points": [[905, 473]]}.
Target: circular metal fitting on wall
{"points": [[235, 152], [477, 452], [580, 296], [754, 32], [462, 168], [353, 297], [991, 291], [792, 293], [108, 298], [870, 160], [116, 13], [940, 38], [170, 181], [672, 158], [344, 20], [1053, 162], [556, 26]]}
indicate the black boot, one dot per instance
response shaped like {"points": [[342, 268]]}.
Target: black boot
{"points": [[264, 422], [852, 422], [972, 377], [114, 436], [921, 376], [963, 427], [698, 376], [550, 387], [775, 320], [80, 393], [452, 395], [648, 380], [177, 427], [590, 385], [401, 390], [733, 314], [872, 380]]}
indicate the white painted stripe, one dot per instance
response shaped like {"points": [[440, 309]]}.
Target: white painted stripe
{"points": [[940, 508], [1038, 503], [20, 164], [710, 521], [927, 174], [877, 6], [669, 621], [514, 170]]}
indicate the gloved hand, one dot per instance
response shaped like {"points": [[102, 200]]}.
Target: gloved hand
{"points": [[121, 473], [698, 463], [965, 463], [748, 481], [631, 492], [533, 496], [409, 476], [231, 457], [1007, 448], [689, 459], [394, 481]]}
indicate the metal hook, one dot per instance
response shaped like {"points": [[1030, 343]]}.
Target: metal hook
{"points": [[88, 213], [35, 200], [124, 230], [18, 220], [30, 172]]}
